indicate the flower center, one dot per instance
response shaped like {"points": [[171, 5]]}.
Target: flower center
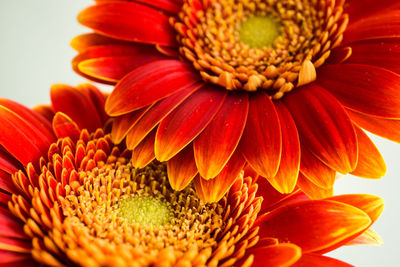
{"points": [[253, 45], [88, 206], [145, 211], [259, 32]]}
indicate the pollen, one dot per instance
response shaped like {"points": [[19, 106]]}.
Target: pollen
{"points": [[145, 211], [256, 45], [258, 32]]}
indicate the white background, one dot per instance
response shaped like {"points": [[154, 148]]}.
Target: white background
{"points": [[35, 53]]}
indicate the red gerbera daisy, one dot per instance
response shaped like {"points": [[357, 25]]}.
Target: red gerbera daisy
{"points": [[283, 85], [70, 197]]}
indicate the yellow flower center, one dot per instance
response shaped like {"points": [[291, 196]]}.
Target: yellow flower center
{"points": [[252, 45], [88, 206], [259, 31], [145, 211]]}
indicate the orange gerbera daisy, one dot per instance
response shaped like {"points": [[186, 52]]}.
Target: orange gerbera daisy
{"points": [[69, 197], [284, 85]]}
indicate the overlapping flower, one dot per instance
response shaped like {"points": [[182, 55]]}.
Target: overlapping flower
{"points": [[69, 196], [198, 81]]}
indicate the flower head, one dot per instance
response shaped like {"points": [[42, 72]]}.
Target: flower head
{"points": [[69, 196], [283, 85]]}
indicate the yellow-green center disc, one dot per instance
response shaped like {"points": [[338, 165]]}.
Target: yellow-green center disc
{"points": [[259, 31]]}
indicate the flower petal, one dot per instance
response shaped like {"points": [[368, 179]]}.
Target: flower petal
{"points": [[285, 179], [130, 22], [143, 154], [370, 162], [382, 25], [369, 237], [182, 169], [37, 121], [7, 184], [10, 226], [214, 189], [370, 204], [362, 9], [276, 255], [19, 139], [316, 260], [387, 128], [324, 127], [384, 53], [46, 111], [166, 5], [148, 84], [216, 144], [63, 126], [112, 62], [312, 190], [8, 163], [320, 224], [156, 113], [16, 245], [316, 171], [187, 121], [261, 143], [77, 105], [123, 124], [84, 41], [368, 89], [8, 258]]}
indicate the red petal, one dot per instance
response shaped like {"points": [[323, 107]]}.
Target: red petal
{"points": [[324, 127], [84, 41], [19, 139], [385, 24], [316, 171], [276, 255], [368, 89], [377, 125], [64, 127], [16, 245], [148, 84], [166, 5], [370, 204], [370, 161], [261, 142], [112, 62], [36, 121], [129, 21], [216, 144], [384, 53], [312, 190], [156, 113], [272, 198], [319, 224], [9, 258], [285, 180], [7, 184], [143, 154], [123, 124], [97, 98], [46, 111], [8, 163], [182, 169], [369, 237], [187, 121], [10, 226], [77, 105], [214, 189], [362, 9], [316, 260]]}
